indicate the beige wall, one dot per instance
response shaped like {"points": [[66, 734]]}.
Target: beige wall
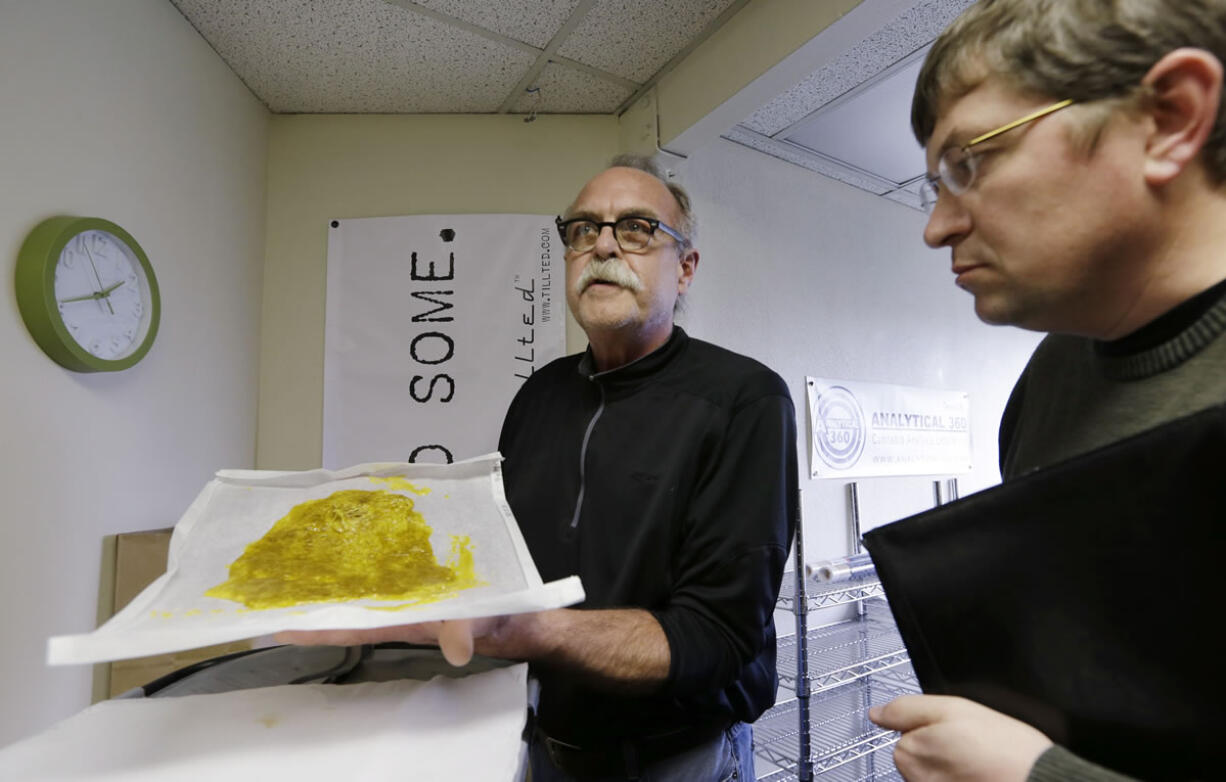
{"points": [[119, 110], [326, 167]]}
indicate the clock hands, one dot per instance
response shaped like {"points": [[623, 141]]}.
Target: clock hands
{"points": [[101, 294], [86, 297]]}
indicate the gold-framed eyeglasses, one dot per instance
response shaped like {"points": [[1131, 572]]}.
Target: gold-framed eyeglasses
{"points": [[957, 166], [633, 234]]}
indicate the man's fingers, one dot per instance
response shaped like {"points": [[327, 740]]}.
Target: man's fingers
{"points": [[909, 712], [455, 638]]}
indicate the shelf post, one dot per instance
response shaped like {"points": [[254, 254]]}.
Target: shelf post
{"points": [[800, 605]]}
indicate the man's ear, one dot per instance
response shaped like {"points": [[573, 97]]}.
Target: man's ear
{"points": [[1186, 89], [686, 268]]}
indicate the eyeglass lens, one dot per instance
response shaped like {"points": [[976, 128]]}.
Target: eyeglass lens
{"points": [[631, 233], [955, 172]]}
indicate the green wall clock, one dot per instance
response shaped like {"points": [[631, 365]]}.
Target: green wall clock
{"points": [[88, 294]]}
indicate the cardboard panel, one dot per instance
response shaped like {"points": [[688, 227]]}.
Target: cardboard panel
{"points": [[132, 561]]}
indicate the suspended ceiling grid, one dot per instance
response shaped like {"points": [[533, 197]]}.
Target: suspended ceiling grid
{"points": [[453, 56], [848, 119]]}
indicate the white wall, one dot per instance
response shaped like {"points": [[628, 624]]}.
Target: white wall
{"points": [[814, 277], [118, 109]]}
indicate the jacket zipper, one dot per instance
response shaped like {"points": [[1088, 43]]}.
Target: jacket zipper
{"points": [[587, 435]]}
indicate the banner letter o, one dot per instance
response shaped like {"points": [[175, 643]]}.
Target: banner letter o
{"points": [[437, 335]]}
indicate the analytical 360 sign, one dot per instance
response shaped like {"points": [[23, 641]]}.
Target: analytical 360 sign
{"points": [[861, 430]]}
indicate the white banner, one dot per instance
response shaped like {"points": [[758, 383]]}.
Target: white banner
{"points": [[433, 322], [862, 430]]}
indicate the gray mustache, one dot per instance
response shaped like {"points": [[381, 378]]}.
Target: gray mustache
{"points": [[611, 270]]}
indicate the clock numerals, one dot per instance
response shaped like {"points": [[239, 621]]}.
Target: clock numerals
{"points": [[138, 308], [98, 243]]}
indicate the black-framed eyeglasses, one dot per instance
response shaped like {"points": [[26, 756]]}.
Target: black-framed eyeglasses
{"points": [[957, 166], [633, 234]]}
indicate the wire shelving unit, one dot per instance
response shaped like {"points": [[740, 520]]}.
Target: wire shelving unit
{"points": [[835, 674]]}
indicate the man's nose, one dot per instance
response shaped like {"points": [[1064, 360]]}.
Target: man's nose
{"points": [[948, 222], [606, 243]]}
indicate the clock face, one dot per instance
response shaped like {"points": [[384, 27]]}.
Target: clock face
{"points": [[102, 294], [87, 294]]}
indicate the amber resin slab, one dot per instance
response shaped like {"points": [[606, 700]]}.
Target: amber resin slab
{"points": [[351, 545]]}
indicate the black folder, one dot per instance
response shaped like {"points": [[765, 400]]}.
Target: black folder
{"points": [[1084, 599]]}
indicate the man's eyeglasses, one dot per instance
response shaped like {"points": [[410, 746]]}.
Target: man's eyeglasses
{"points": [[633, 234], [957, 166]]}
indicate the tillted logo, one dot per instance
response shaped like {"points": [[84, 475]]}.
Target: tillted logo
{"points": [[839, 428]]}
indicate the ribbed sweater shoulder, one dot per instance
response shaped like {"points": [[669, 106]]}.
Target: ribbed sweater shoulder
{"points": [[1078, 394]]}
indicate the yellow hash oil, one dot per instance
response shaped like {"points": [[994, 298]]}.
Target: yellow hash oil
{"points": [[401, 483], [351, 545]]}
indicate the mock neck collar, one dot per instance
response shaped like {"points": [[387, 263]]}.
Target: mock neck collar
{"points": [[1167, 341], [639, 368]]}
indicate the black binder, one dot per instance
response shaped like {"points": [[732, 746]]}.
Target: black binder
{"points": [[1084, 599]]}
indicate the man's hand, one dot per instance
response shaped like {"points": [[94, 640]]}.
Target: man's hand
{"points": [[453, 637], [951, 738], [623, 650]]}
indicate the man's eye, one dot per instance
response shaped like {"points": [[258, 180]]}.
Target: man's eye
{"points": [[635, 226], [582, 229]]}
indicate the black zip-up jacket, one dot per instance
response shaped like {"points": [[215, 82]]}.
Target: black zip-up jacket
{"points": [[668, 484]]}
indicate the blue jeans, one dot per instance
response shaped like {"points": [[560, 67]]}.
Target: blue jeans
{"points": [[728, 756]]}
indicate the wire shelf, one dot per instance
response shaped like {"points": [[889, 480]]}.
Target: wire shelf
{"points": [[877, 767], [782, 775], [843, 652], [840, 734], [826, 595], [903, 675], [870, 768]]}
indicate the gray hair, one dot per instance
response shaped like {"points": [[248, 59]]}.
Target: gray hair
{"points": [[687, 225], [1086, 50]]}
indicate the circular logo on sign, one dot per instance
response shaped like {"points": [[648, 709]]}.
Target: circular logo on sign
{"points": [[839, 428]]}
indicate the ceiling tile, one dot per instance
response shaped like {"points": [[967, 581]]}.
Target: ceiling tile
{"points": [[355, 56], [635, 38], [868, 129], [534, 22], [911, 30], [568, 91]]}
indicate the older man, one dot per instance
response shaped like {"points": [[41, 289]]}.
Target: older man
{"points": [[662, 470], [1078, 156]]}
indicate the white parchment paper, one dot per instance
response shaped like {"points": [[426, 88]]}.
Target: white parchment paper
{"points": [[238, 507], [442, 729]]}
